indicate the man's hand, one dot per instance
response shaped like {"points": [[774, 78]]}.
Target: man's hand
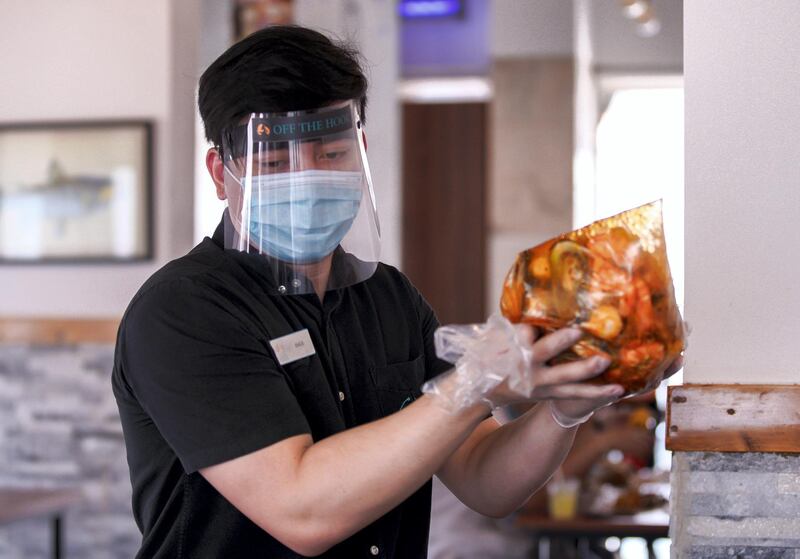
{"points": [[564, 384], [581, 406], [559, 382]]}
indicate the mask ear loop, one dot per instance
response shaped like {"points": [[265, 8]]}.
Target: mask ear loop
{"points": [[236, 179]]}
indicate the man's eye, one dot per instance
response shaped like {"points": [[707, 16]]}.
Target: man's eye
{"points": [[273, 165], [334, 155]]}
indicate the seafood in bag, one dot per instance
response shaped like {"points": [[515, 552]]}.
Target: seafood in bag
{"points": [[612, 280]]}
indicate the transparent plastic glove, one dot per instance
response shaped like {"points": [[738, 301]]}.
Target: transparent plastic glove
{"points": [[566, 421], [569, 413], [499, 363], [485, 356]]}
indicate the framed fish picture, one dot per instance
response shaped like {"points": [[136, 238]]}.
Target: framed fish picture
{"points": [[76, 192]]}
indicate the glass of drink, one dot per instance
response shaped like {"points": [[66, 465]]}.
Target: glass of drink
{"points": [[562, 498]]}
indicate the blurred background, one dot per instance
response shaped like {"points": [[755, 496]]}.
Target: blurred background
{"points": [[493, 125]]}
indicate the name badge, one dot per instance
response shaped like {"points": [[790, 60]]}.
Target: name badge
{"points": [[293, 346]]}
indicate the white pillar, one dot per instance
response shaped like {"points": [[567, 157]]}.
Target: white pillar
{"points": [[742, 247], [742, 78]]}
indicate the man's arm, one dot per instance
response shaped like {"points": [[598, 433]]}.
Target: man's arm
{"points": [[312, 496], [498, 468]]}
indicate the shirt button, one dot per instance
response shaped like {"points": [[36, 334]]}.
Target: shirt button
{"points": [[341, 399], [374, 550]]}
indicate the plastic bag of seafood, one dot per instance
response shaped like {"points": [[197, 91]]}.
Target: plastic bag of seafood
{"points": [[611, 279]]}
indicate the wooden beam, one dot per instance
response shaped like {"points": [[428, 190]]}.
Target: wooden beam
{"points": [[734, 418], [58, 331]]}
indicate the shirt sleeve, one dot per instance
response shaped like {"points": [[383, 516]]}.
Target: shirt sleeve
{"points": [[428, 325], [210, 385]]}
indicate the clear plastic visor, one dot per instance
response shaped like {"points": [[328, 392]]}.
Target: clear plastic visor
{"points": [[300, 194]]}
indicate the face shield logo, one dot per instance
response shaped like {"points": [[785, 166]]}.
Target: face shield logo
{"points": [[263, 130]]}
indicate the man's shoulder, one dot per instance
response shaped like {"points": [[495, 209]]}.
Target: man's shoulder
{"points": [[390, 281], [389, 278], [190, 272], [386, 273]]}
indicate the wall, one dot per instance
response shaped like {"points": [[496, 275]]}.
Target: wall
{"points": [[68, 436], [617, 48], [522, 29], [531, 137], [467, 40], [530, 126], [372, 26], [585, 110], [730, 504], [530, 177], [606, 45], [216, 30], [86, 60], [742, 195]]}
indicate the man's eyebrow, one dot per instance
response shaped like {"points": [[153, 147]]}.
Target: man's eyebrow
{"points": [[272, 146], [340, 141]]}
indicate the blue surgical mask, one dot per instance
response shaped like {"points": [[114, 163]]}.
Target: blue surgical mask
{"points": [[303, 216]]}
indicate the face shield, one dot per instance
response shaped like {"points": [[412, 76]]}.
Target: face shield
{"points": [[300, 194]]}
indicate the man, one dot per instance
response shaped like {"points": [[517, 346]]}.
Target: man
{"points": [[269, 381]]}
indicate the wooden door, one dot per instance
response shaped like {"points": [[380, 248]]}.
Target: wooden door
{"points": [[444, 195]]}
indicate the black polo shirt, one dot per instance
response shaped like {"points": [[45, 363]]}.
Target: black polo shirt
{"points": [[197, 383]]}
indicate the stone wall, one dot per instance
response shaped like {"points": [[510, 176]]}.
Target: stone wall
{"points": [[735, 505], [59, 427]]}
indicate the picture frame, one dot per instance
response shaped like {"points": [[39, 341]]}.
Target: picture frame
{"points": [[76, 192], [252, 15]]}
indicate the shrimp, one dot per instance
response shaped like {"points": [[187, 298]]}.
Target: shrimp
{"points": [[637, 302], [605, 322], [637, 355], [607, 277], [645, 317], [617, 245]]}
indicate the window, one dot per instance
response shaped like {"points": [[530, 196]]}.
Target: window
{"points": [[639, 158]]}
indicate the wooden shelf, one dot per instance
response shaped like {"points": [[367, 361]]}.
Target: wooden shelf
{"points": [[734, 418], [58, 331]]}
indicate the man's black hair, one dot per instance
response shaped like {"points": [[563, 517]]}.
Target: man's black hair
{"points": [[276, 69]]}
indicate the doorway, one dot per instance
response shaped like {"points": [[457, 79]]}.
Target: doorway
{"points": [[444, 218]]}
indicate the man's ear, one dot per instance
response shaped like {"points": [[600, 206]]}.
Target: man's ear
{"points": [[216, 169]]}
